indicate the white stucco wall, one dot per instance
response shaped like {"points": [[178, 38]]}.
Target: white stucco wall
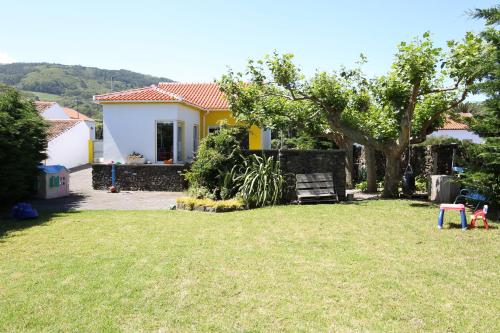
{"points": [[132, 127], [55, 112], [458, 134], [70, 148]]}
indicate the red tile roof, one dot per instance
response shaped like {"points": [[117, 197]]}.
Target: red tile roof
{"points": [[58, 127], [206, 95], [202, 95], [450, 124], [42, 106], [151, 93], [73, 114]]}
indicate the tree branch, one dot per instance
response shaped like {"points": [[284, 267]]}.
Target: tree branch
{"points": [[422, 135], [405, 123]]}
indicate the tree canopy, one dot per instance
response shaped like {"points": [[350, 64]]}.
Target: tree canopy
{"points": [[385, 113], [22, 144]]}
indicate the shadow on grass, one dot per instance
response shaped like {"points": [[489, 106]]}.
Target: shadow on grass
{"points": [[9, 225], [47, 208]]}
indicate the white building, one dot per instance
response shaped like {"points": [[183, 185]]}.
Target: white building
{"points": [[457, 130], [69, 136], [166, 122]]}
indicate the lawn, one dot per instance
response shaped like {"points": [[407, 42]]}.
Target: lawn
{"points": [[370, 266]]}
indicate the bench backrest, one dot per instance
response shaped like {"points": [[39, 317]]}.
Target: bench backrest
{"points": [[314, 183]]}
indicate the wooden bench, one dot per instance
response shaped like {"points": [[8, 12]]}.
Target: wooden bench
{"points": [[315, 187]]}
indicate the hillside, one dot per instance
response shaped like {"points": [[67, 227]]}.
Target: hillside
{"points": [[67, 84]]}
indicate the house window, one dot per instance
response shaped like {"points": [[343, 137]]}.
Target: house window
{"points": [[164, 141], [196, 138], [213, 129]]}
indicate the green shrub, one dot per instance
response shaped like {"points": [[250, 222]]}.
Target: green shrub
{"points": [[22, 145], [482, 168], [189, 203], [262, 183], [421, 183], [212, 173], [363, 186]]}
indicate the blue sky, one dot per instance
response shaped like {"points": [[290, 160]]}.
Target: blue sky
{"points": [[195, 41]]}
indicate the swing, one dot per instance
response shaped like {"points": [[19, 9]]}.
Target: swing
{"points": [[408, 181]]}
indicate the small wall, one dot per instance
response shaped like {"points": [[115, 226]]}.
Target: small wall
{"points": [[295, 161], [144, 177], [425, 160]]}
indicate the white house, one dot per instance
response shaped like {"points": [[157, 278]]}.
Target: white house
{"points": [[165, 122], [457, 130], [69, 135]]}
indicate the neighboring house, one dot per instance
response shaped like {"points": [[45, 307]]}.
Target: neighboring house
{"points": [[166, 121], [458, 130], [69, 136]]}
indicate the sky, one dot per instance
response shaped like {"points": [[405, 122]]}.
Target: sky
{"points": [[196, 41]]}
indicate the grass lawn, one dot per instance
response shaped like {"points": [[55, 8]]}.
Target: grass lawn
{"points": [[371, 266]]}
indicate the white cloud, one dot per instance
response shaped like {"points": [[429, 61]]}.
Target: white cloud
{"points": [[5, 58]]}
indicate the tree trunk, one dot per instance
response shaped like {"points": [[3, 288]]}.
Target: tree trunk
{"points": [[371, 169], [344, 143], [392, 176], [349, 164]]}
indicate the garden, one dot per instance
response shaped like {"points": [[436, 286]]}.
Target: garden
{"points": [[378, 265]]}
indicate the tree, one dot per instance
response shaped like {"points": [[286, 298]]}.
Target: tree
{"points": [[22, 144], [483, 161], [385, 113], [486, 121]]}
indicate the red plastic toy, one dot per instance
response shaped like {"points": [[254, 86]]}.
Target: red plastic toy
{"points": [[479, 214]]}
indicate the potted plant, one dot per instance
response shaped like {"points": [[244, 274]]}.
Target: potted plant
{"points": [[135, 158]]}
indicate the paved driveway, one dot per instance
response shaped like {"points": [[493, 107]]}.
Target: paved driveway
{"points": [[83, 197]]}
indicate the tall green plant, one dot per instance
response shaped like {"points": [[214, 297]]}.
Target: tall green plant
{"points": [[216, 158], [262, 183], [22, 144]]}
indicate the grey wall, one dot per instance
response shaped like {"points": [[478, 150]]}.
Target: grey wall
{"points": [[295, 161], [154, 177], [144, 177]]}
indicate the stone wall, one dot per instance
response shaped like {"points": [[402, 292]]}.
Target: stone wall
{"points": [[154, 177], [144, 177], [425, 161], [309, 161]]}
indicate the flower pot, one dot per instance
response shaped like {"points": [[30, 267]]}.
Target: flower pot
{"points": [[135, 160]]}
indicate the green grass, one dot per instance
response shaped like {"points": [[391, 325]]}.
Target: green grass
{"points": [[374, 266]]}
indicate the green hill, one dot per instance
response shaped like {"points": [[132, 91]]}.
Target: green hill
{"points": [[71, 86]]}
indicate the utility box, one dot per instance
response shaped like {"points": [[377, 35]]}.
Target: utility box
{"points": [[52, 182], [444, 189]]}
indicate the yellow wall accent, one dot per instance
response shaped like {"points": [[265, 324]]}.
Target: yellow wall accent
{"points": [[91, 151], [214, 118]]}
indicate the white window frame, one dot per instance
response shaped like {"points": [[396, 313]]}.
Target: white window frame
{"points": [[175, 124]]}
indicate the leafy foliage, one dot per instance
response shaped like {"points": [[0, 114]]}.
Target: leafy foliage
{"points": [[212, 172], [486, 121], [66, 84], [261, 181], [386, 113], [189, 203], [22, 144], [482, 168]]}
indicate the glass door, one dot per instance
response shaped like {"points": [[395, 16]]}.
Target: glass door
{"points": [[164, 141]]}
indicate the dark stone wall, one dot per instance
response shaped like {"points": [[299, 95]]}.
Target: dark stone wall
{"points": [[425, 160], [154, 177], [144, 177], [295, 161]]}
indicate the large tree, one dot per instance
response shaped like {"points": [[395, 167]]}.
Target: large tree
{"points": [[22, 144], [385, 113]]}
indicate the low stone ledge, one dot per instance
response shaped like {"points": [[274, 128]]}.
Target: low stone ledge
{"points": [[140, 177]]}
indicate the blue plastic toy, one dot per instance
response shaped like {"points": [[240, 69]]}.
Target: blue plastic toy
{"points": [[23, 211]]}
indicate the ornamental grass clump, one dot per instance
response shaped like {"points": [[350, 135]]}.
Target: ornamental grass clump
{"points": [[261, 181]]}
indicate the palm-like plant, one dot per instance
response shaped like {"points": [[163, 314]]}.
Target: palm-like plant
{"points": [[262, 183]]}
